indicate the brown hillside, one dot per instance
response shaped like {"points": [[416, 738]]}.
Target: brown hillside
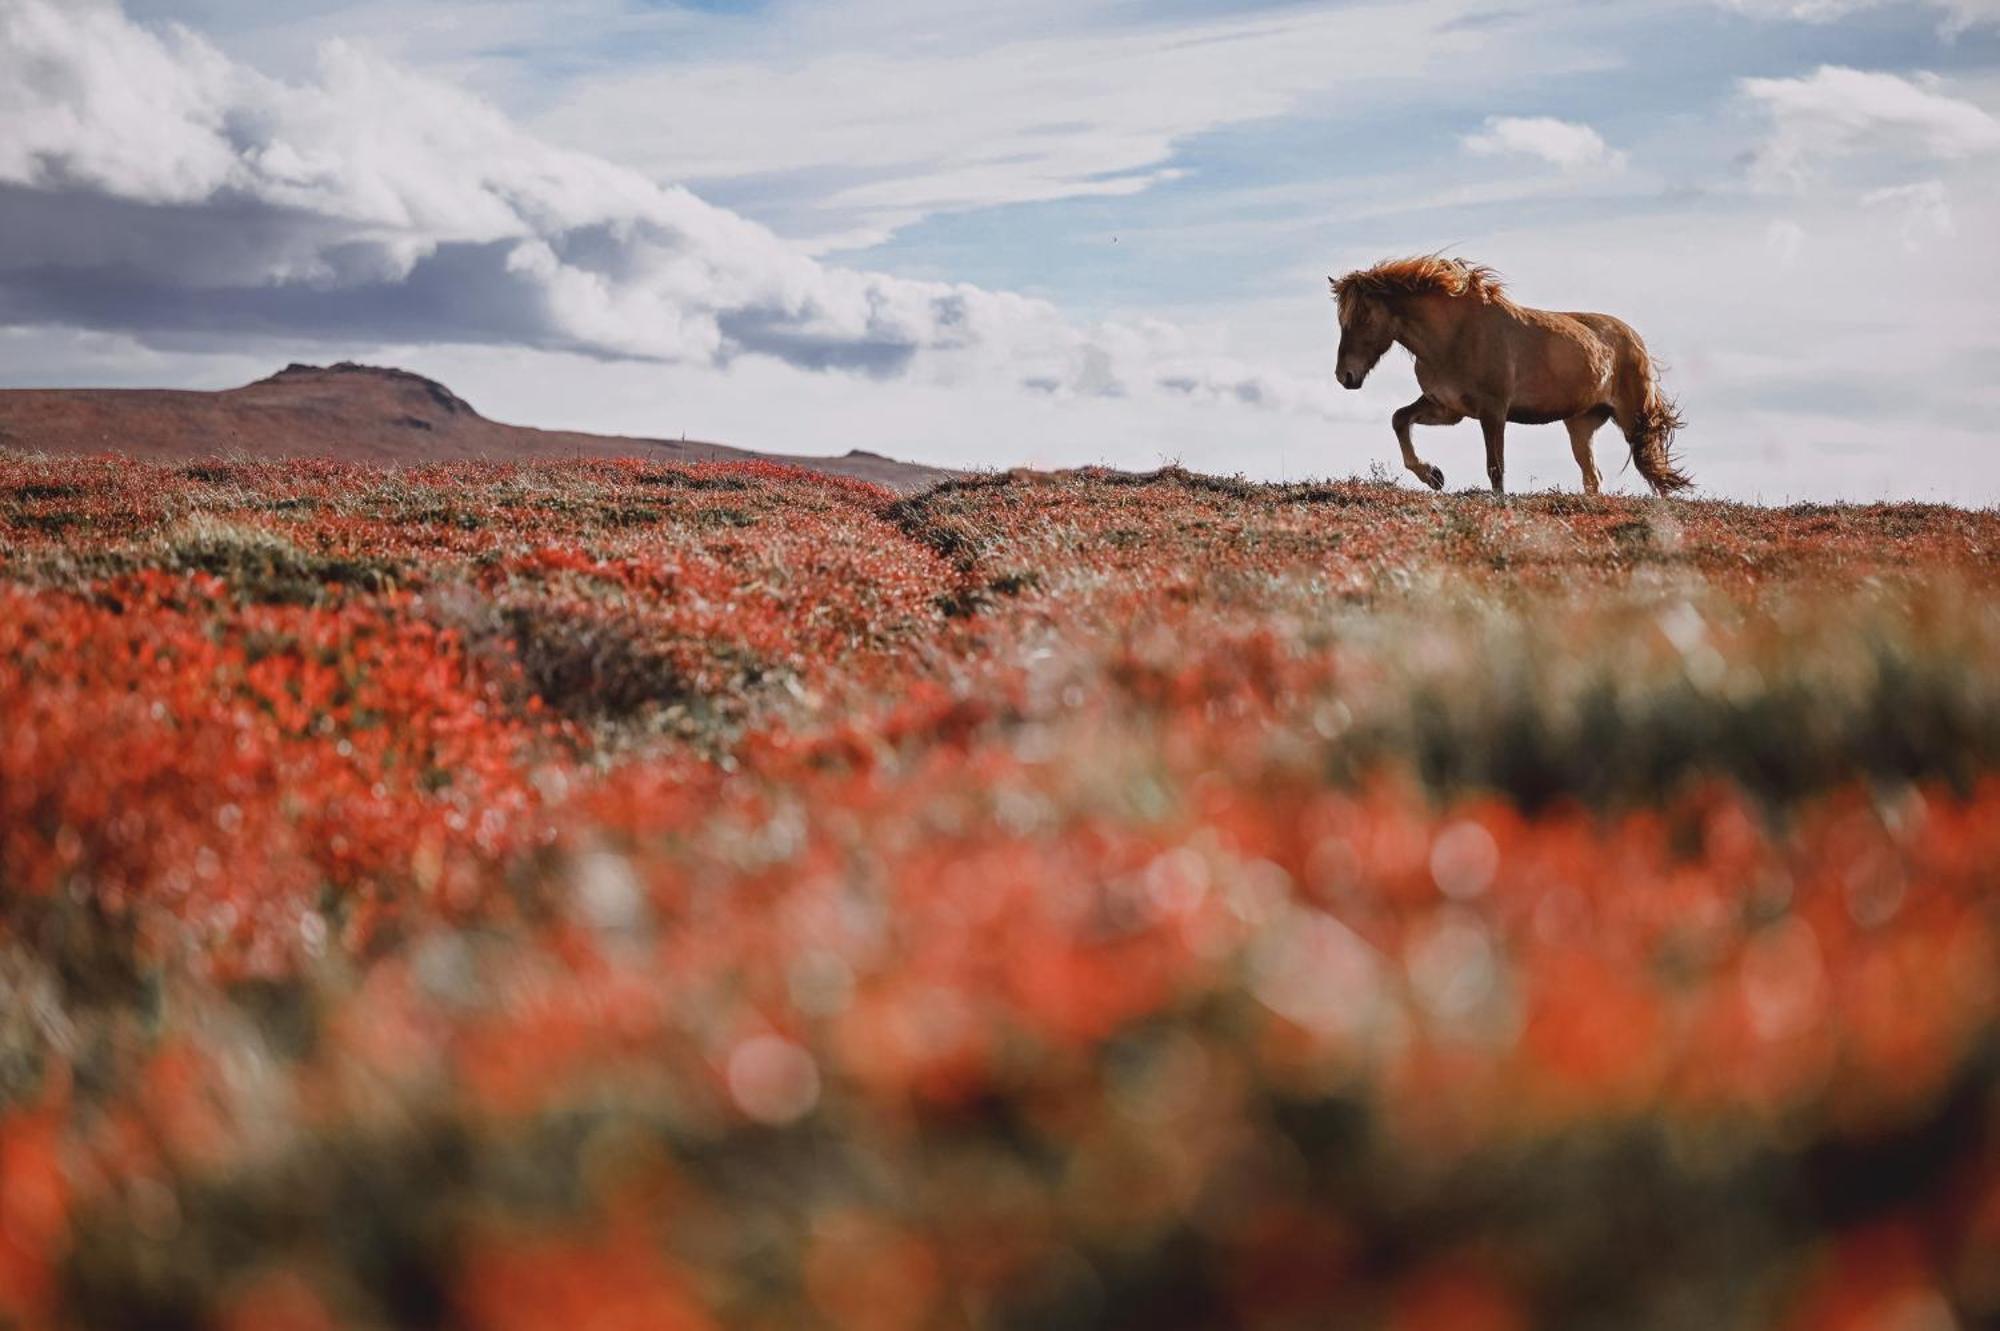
{"points": [[354, 412]]}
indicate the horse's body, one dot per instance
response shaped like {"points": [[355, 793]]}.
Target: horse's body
{"points": [[1481, 356]]}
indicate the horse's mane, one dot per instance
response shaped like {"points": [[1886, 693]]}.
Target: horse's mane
{"points": [[1420, 275]]}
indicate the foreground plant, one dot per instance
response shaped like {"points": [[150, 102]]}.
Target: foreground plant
{"points": [[618, 895]]}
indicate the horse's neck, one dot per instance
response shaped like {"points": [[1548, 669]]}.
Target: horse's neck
{"points": [[1427, 326]]}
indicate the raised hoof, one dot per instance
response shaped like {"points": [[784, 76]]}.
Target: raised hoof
{"points": [[1432, 476]]}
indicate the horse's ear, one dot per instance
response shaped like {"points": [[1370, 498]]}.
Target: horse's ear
{"points": [[1334, 282]]}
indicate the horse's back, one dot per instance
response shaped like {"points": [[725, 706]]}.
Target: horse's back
{"points": [[1615, 332]]}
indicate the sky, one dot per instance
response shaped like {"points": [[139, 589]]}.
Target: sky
{"points": [[1047, 233]]}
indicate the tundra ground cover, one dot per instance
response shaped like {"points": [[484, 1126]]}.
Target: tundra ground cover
{"points": [[619, 895]]}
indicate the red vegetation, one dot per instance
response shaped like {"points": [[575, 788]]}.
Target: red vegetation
{"points": [[614, 895]]}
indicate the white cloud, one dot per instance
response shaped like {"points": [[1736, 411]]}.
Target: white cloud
{"points": [[1924, 209], [1837, 112], [149, 183], [1561, 143], [1955, 16], [922, 128], [1963, 14]]}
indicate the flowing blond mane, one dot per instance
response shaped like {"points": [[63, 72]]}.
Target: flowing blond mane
{"points": [[1420, 275]]}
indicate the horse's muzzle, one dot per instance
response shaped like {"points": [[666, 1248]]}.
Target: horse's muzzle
{"points": [[1349, 378]]}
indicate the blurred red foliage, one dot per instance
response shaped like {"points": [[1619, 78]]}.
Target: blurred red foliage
{"points": [[608, 895]]}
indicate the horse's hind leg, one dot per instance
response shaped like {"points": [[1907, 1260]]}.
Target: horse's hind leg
{"points": [[1421, 412], [1581, 430]]}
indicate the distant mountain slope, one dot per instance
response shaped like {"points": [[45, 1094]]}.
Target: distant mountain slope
{"points": [[356, 412]]}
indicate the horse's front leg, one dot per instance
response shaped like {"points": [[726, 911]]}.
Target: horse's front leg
{"points": [[1496, 451], [1421, 412]]}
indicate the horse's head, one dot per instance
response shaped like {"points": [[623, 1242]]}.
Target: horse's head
{"points": [[1367, 331]]}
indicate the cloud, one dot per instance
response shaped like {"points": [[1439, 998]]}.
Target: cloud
{"points": [[1837, 112], [1955, 16], [1963, 14], [1924, 209], [1562, 143], [148, 183], [943, 125]]}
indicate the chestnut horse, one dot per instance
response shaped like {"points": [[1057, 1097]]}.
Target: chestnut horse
{"points": [[1479, 354]]}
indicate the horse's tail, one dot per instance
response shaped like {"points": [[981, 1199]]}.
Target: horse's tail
{"points": [[1652, 440]]}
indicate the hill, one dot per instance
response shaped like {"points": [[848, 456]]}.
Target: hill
{"points": [[356, 413], [633, 894]]}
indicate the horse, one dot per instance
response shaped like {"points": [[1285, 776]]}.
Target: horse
{"points": [[1479, 354]]}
